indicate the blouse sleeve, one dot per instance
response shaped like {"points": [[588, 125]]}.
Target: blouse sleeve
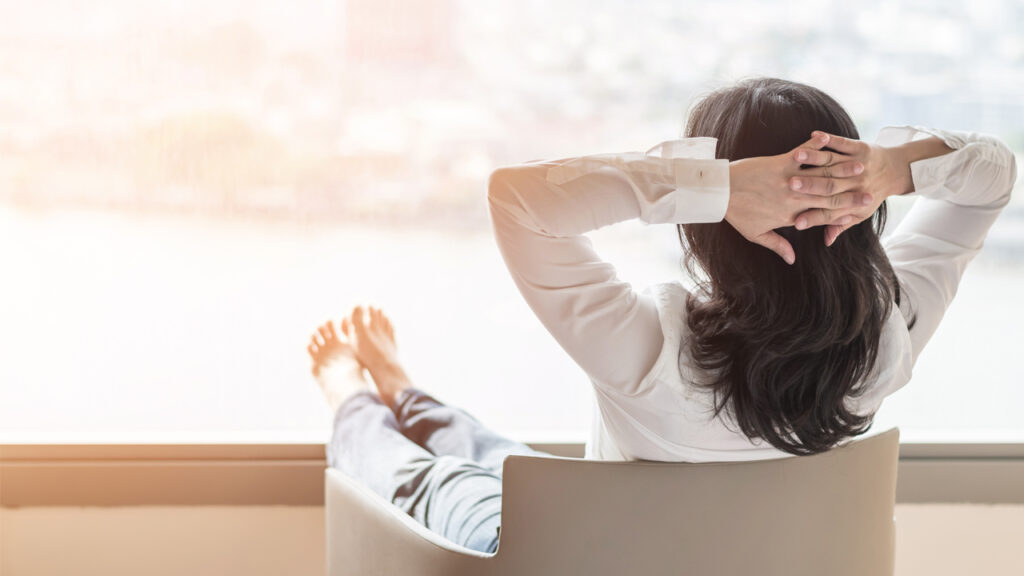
{"points": [[541, 212], [961, 194]]}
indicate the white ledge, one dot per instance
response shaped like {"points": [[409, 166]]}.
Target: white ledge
{"points": [[291, 474]]}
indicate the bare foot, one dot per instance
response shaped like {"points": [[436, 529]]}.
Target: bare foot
{"points": [[335, 366], [373, 340]]}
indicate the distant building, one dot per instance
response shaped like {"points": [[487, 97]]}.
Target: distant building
{"points": [[398, 32]]}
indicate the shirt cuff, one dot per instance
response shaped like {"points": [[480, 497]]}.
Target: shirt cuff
{"points": [[702, 190], [931, 174], [896, 135]]}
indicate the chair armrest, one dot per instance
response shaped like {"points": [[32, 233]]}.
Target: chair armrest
{"points": [[366, 534]]}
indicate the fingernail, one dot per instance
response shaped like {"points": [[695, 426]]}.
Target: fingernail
{"points": [[822, 136], [858, 168], [790, 259], [801, 224], [866, 199], [797, 184], [801, 155]]}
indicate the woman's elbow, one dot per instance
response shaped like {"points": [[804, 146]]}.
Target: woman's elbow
{"points": [[515, 197], [994, 168], [514, 185], [1012, 172], [499, 185], [504, 201], [1007, 161]]}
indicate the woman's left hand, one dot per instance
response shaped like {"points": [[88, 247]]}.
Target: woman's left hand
{"points": [[765, 193], [886, 173]]}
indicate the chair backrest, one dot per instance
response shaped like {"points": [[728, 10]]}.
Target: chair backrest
{"points": [[827, 514]]}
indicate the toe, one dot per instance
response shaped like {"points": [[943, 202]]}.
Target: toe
{"points": [[324, 333], [358, 323], [331, 331], [312, 349], [384, 322], [345, 326]]}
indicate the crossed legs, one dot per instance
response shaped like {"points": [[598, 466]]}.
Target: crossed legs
{"points": [[436, 462]]}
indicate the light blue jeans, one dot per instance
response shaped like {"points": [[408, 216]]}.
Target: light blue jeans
{"points": [[436, 462]]}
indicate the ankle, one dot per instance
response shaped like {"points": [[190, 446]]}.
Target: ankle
{"points": [[391, 380]]}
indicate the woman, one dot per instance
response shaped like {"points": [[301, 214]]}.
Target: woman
{"points": [[802, 323]]}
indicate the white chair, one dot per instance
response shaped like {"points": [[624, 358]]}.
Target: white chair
{"points": [[830, 514]]}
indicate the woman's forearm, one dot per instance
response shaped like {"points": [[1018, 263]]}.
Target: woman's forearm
{"points": [[913, 151], [975, 170], [570, 197], [964, 180], [964, 168]]}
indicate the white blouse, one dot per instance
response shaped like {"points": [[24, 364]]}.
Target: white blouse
{"points": [[632, 345]]}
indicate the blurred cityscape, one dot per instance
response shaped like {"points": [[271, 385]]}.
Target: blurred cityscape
{"points": [[186, 188], [396, 110]]}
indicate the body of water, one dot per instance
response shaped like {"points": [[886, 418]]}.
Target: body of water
{"points": [[117, 327]]}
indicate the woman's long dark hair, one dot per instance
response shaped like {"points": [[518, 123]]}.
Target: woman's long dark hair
{"points": [[786, 344]]}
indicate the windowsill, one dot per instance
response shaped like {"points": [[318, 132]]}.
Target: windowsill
{"points": [[970, 439], [248, 470]]}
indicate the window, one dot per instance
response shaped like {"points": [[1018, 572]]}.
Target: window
{"points": [[187, 189]]}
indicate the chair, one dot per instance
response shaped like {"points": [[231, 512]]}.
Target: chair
{"points": [[830, 514]]}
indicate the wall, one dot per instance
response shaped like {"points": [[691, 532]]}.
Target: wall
{"points": [[932, 540], [959, 539], [221, 541]]}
